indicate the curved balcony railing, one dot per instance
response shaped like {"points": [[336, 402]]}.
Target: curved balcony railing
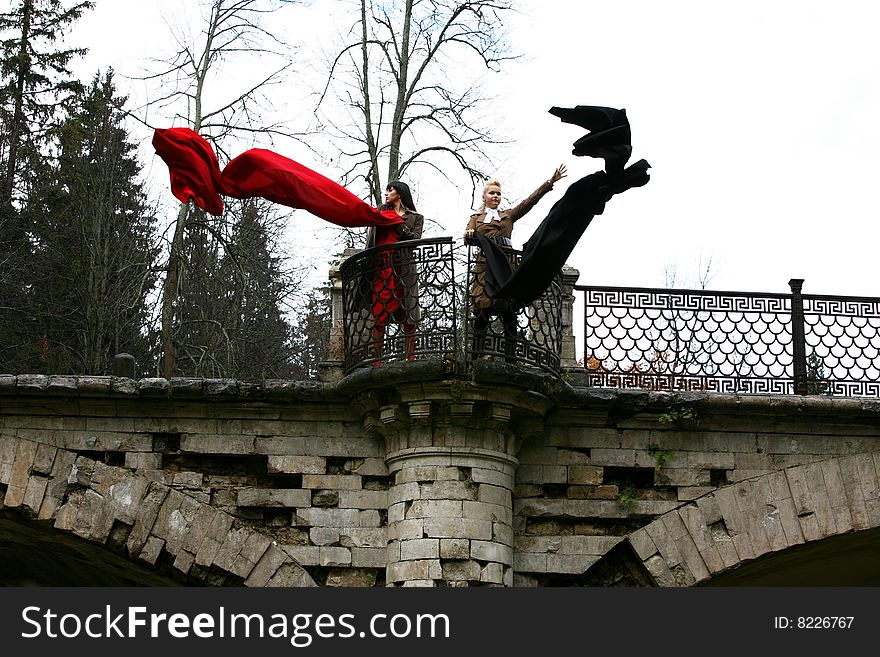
{"points": [[399, 303], [404, 302]]}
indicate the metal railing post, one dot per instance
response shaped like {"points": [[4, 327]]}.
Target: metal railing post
{"points": [[798, 340]]}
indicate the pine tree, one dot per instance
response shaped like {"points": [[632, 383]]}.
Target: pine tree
{"points": [[95, 255], [312, 335], [201, 303], [232, 297], [35, 84], [261, 290]]}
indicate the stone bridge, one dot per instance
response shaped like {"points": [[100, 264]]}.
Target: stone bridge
{"points": [[414, 474]]}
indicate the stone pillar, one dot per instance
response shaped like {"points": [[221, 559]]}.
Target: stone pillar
{"points": [[331, 369], [450, 508], [125, 366], [568, 355]]}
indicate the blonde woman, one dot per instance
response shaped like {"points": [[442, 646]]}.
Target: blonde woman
{"points": [[497, 225]]}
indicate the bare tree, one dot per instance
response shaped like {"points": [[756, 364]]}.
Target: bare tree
{"points": [[683, 347], [231, 32], [703, 272], [404, 89]]}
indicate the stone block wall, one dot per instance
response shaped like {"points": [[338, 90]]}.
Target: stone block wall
{"points": [[451, 522], [297, 469], [601, 472], [416, 477]]}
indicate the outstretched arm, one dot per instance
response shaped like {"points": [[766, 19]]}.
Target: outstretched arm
{"points": [[559, 174], [532, 199]]}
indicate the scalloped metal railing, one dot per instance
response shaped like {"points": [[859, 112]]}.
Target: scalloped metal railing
{"points": [[734, 342]]}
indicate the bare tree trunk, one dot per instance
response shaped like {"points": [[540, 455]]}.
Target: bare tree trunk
{"points": [[400, 102], [169, 293], [232, 30], [373, 177]]}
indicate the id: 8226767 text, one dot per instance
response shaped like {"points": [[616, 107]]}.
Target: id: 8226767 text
{"points": [[813, 622]]}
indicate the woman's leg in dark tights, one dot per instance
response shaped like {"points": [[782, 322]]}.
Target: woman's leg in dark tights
{"points": [[508, 318], [378, 335], [481, 322], [481, 325]]}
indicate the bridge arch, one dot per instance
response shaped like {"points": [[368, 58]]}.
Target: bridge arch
{"points": [[150, 522], [34, 553], [811, 507]]}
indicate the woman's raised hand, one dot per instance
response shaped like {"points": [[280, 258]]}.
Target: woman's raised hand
{"points": [[559, 174]]}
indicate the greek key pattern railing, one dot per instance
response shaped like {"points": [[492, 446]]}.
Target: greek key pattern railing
{"points": [[734, 342], [842, 337], [530, 335], [399, 303], [404, 302]]}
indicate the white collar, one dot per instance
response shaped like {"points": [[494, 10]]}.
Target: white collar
{"points": [[491, 215]]}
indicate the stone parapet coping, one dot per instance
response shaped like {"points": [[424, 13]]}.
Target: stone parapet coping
{"points": [[392, 375]]}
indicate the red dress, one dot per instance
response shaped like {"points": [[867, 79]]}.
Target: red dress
{"points": [[388, 290]]}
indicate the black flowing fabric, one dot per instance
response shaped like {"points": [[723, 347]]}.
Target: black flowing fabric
{"points": [[609, 137], [547, 250]]}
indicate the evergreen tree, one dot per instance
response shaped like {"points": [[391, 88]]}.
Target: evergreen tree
{"points": [[260, 291], [35, 84], [312, 335], [232, 296], [201, 304], [95, 255]]}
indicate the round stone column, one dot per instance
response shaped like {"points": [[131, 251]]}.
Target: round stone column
{"points": [[450, 518], [450, 508]]}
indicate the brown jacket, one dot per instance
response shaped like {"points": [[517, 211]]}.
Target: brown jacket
{"points": [[413, 223], [503, 228]]}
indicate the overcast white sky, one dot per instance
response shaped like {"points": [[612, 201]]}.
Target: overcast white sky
{"points": [[759, 118]]}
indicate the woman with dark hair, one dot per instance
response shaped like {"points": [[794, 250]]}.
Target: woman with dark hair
{"points": [[394, 289]]}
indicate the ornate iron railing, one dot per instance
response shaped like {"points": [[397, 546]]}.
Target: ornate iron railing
{"points": [[732, 341], [404, 302], [399, 303], [531, 335]]}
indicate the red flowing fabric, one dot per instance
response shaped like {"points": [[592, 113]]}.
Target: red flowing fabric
{"points": [[195, 171], [196, 175]]}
